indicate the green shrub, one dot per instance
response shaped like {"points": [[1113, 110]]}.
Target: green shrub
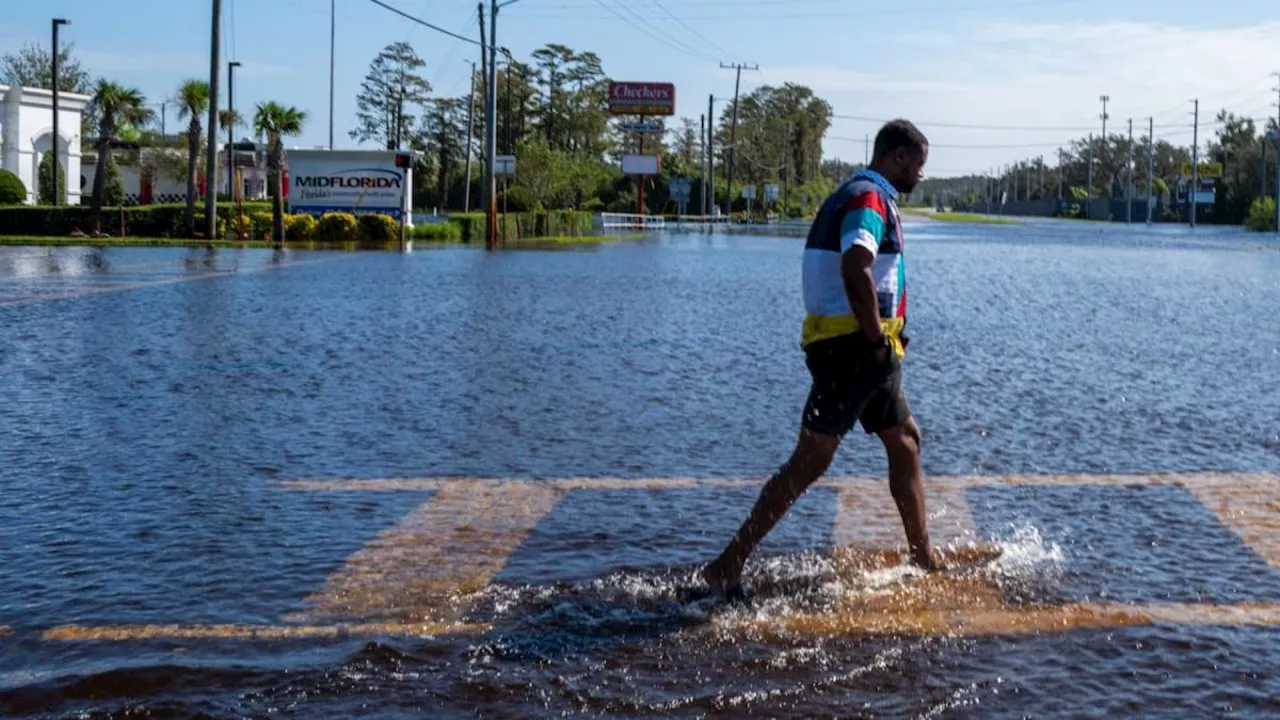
{"points": [[12, 191], [1262, 215], [113, 192], [445, 232], [299, 228], [337, 228], [140, 221], [516, 200], [260, 225], [471, 226], [45, 182], [239, 226], [593, 205], [201, 218], [378, 228]]}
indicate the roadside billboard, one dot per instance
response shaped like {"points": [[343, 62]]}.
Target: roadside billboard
{"points": [[352, 181], [642, 98], [641, 165]]}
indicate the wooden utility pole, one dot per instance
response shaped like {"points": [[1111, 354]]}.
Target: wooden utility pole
{"points": [[471, 130], [733, 128]]}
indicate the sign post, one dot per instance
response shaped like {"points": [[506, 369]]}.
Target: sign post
{"points": [[749, 192], [771, 193], [642, 99], [680, 187]]}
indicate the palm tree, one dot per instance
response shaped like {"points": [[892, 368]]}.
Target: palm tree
{"points": [[193, 101], [273, 122], [114, 106], [229, 119]]}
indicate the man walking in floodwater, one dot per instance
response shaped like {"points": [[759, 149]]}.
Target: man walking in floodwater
{"points": [[854, 339]]}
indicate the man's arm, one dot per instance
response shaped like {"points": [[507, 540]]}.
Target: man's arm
{"points": [[861, 231], [860, 286]]}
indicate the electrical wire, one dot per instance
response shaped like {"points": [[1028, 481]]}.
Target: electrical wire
{"points": [[638, 23], [693, 32], [423, 23]]}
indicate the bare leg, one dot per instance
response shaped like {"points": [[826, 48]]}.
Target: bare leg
{"points": [[808, 462], [902, 444]]}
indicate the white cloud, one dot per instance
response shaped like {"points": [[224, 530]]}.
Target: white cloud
{"points": [[1043, 74]]}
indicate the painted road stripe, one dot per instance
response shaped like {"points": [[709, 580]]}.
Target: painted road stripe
{"points": [[867, 516], [950, 520], [126, 633], [1013, 621], [969, 622], [450, 546], [933, 482], [29, 299], [1251, 510]]}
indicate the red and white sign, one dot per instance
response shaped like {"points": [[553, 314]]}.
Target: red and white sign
{"points": [[642, 98]]}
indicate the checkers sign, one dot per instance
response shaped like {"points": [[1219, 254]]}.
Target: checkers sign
{"points": [[642, 98]]}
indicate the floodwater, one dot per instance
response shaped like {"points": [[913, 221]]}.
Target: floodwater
{"points": [[452, 484]]}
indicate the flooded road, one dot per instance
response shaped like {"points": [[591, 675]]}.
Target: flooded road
{"points": [[447, 484]]}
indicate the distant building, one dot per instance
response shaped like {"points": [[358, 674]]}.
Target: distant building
{"points": [[26, 134], [154, 170]]}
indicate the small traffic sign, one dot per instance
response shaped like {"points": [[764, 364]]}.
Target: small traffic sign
{"points": [[679, 188]]}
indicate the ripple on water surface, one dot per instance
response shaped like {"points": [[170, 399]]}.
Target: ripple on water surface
{"points": [[147, 424]]}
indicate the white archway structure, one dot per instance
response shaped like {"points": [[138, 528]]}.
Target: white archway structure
{"points": [[26, 134]]}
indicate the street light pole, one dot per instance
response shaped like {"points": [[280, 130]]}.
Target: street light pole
{"points": [[231, 127], [491, 131], [56, 195], [333, 34], [211, 159]]}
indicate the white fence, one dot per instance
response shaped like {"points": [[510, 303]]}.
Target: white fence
{"points": [[628, 221], [634, 221]]}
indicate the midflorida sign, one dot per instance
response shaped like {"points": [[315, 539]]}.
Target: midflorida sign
{"points": [[351, 181], [642, 98]]}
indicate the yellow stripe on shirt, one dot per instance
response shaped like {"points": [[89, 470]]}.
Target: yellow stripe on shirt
{"points": [[823, 327]]}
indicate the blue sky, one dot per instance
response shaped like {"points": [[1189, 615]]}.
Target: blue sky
{"points": [[1025, 63]]}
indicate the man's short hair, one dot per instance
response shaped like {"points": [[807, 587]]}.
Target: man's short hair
{"points": [[899, 134]]}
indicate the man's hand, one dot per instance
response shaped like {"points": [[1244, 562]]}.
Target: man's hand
{"points": [[860, 286], [883, 348]]}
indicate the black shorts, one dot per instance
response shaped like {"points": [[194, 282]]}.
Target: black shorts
{"points": [[850, 386]]}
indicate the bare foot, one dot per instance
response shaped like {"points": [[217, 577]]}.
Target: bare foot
{"points": [[929, 560], [719, 576]]}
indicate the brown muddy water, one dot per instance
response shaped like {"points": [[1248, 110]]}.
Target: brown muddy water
{"points": [[451, 484]]}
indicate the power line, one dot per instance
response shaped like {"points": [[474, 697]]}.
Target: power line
{"points": [[422, 22], [971, 126], [669, 42], [447, 61], [693, 32]]}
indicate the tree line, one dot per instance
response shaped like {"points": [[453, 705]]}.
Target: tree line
{"points": [[1241, 151], [552, 114]]}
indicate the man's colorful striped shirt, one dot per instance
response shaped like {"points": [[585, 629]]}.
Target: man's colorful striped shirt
{"points": [[863, 212]]}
